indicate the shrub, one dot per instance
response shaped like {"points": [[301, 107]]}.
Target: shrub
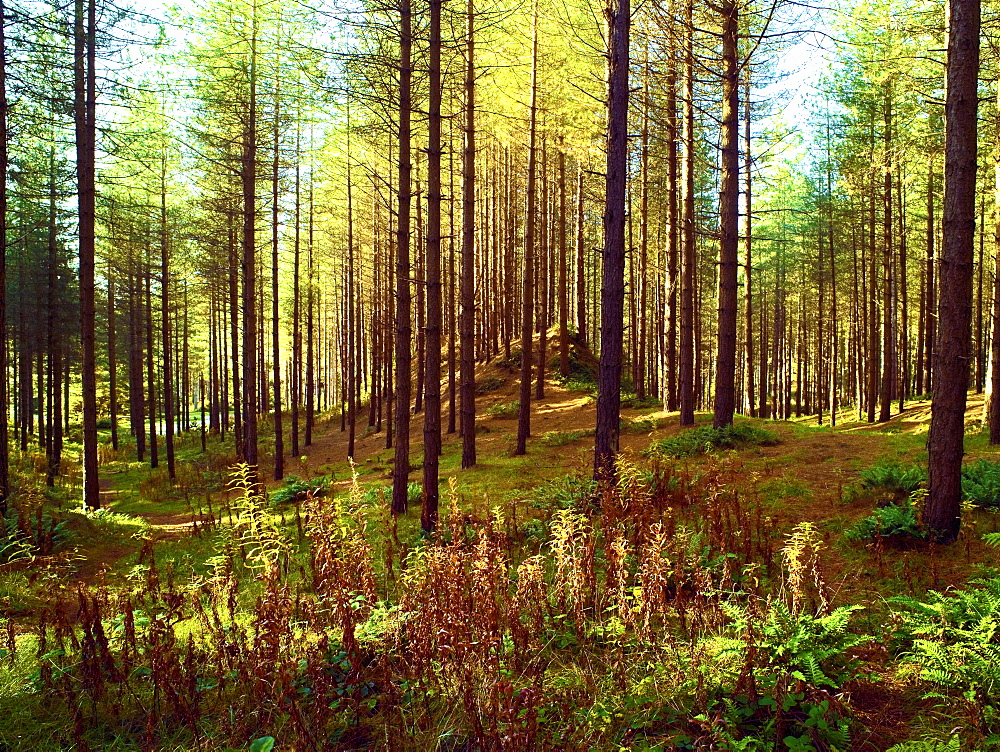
{"points": [[504, 410], [706, 439], [639, 425], [630, 401], [564, 492], [489, 384], [295, 489], [981, 483], [414, 492], [953, 640], [893, 521], [561, 438], [893, 477]]}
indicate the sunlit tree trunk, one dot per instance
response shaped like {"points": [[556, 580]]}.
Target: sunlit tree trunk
{"points": [[945, 442]]}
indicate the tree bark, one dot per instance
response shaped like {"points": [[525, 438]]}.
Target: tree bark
{"points": [[84, 109], [617, 13], [527, 288], [432, 404], [729, 196], [401, 465], [945, 443]]}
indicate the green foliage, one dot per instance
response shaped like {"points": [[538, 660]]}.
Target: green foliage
{"points": [[561, 438], [707, 439], [631, 402], [31, 531], [489, 384], [802, 646], [373, 496], [117, 524], [953, 744], [893, 477], [981, 483], [794, 661], [504, 410], [264, 744], [295, 489], [564, 492], [954, 640], [895, 520], [644, 424]]}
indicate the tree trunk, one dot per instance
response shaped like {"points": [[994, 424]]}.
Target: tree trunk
{"points": [[432, 405], [617, 13], [467, 366], [527, 288], [729, 196], [84, 109], [168, 388], [279, 442], [249, 270], [993, 399], [401, 466], [686, 358], [945, 443]]}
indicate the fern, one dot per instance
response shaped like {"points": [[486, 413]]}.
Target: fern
{"points": [[954, 639], [810, 648]]}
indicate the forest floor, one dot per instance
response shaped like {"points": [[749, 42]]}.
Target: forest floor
{"points": [[810, 474]]}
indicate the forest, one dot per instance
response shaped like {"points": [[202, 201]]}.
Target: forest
{"points": [[499, 376]]}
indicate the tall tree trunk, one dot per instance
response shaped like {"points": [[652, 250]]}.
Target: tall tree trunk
{"points": [[168, 382], [401, 466], [686, 357], [729, 196], [748, 260], [467, 387], [527, 288], [618, 14], [930, 329], [112, 361], [279, 442], [563, 273], [432, 405], [888, 302], [154, 454], [296, 377], [581, 277], [4, 396], [945, 441], [993, 383], [85, 111], [249, 268]]}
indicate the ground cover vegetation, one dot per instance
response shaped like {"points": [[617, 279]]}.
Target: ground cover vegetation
{"points": [[499, 376]]}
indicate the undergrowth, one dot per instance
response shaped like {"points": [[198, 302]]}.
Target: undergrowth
{"points": [[705, 439]]}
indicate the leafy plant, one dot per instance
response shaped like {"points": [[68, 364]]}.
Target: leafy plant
{"points": [[802, 645], [706, 439], [895, 520], [489, 384], [981, 483], [561, 438], [564, 492], [504, 410], [954, 640], [893, 477], [644, 424], [295, 489]]}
